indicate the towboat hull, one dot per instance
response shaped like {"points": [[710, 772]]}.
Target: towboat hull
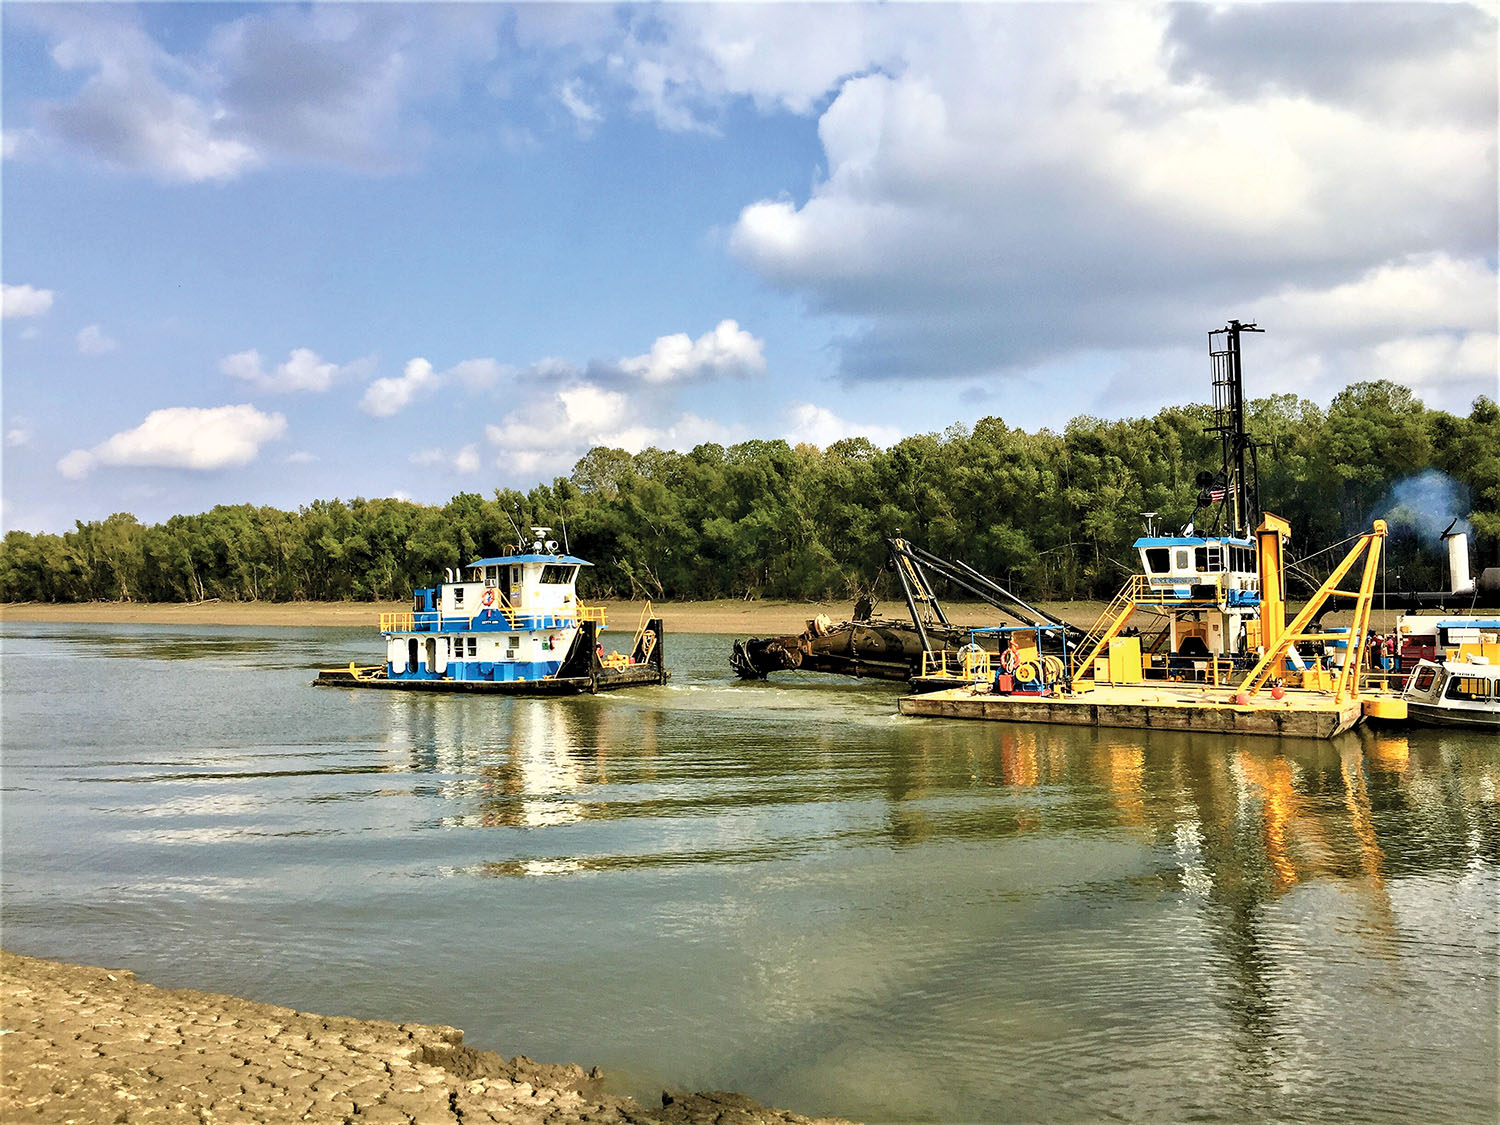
{"points": [[606, 679]]}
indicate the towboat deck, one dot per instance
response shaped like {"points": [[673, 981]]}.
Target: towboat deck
{"points": [[1306, 714]]}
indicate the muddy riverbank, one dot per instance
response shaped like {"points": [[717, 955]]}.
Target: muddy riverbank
{"points": [[84, 1044]]}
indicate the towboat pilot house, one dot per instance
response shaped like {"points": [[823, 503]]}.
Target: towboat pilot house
{"points": [[514, 617]]}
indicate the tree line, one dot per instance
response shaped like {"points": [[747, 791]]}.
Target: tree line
{"points": [[1052, 515]]}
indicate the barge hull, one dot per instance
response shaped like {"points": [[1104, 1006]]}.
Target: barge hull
{"points": [[1294, 718]]}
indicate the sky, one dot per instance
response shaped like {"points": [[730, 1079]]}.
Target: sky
{"points": [[271, 254]]}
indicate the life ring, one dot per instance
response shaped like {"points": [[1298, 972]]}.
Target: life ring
{"points": [[1008, 660], [1027, 673], [489, 598]]}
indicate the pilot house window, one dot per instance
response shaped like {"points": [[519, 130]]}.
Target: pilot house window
{"points": [[558, 575], [1157, 559], [1210, 560]]}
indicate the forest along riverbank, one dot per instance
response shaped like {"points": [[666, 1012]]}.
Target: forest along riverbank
{"points": [[729, 616], [91, 1044]]}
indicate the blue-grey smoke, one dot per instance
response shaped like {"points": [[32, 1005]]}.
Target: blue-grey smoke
{"points": [[1426, 504]]}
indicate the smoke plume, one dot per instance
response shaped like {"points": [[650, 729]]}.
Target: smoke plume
{"points": [[1426, 504]]}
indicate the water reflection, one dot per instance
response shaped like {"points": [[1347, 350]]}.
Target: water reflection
{"points": [[1242, 824]]}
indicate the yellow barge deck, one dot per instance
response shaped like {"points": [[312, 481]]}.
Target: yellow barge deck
{"points": [[1298, 714]]}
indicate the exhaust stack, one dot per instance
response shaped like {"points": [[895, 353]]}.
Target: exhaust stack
{"points": [[1459, 579]]}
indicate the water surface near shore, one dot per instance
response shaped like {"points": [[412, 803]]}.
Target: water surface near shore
{"points": [[779, 888]]}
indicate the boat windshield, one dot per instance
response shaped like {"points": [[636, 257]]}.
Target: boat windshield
{"points": [[1422, 681]]}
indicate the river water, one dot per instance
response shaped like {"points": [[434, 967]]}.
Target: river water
{"points": [[778, 888]]}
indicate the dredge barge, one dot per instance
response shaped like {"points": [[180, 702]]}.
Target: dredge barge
{"points": [[1226, 659], [511, 625]]}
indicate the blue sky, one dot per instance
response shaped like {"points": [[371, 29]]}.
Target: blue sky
{"points": [[270, 254]]}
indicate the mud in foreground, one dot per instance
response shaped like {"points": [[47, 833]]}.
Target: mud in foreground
{"points": [[84, 1044]]}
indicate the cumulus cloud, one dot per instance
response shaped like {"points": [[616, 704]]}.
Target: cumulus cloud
{"points": [[817, 425], [728, 350], [393, 394], [302, 370], [464, 461], [24, 301], [328, 84], [479, 374], [139, 108], [549, 433], [182, 437], [92, 340], [1098, 189]]}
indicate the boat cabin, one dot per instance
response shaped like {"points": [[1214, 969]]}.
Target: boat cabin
{"points": [[511, 617], [1200, 568], [1428, 636]]}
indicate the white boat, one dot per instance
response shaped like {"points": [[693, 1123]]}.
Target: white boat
{"points": [[510, 624], [1457, 693]]}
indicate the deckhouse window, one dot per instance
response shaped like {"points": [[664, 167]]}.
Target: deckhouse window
{"points": [[1468, 687], [1157, 559], [1183, 559], [1210, 560], [1424, 679], [558, 575], [458, 595]]}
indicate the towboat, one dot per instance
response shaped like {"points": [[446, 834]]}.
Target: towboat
{"points": [[512, 624], [1456, 693]]}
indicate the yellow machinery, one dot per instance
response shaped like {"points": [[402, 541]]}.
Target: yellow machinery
{"points": [[1270, 542], [1345, 684]]}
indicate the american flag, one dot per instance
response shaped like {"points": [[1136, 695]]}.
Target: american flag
{"points": [[1215, 495]]}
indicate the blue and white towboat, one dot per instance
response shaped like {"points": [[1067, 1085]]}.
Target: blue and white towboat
{"points": [[509, 624]]}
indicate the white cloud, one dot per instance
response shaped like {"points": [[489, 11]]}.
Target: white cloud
{"points": [[464, 462], [18, 435], [92, 340], [728, 350], [583, 111], [817, 425], [303, 370], [23, 301], [328, 84], [391, 395], [1423, 293], [1013, 183], [479, 374], [139, 108], [182, 437]]}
